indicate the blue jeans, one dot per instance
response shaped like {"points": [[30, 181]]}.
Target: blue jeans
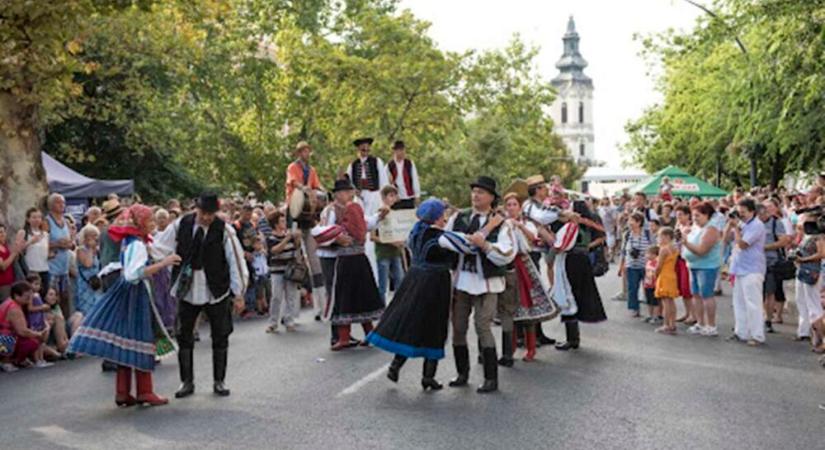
{"points": [[389, 267], [634, 280]]}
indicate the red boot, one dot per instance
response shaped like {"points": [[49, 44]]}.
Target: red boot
{"points": [[123, 387], [367, 326], [343, 338], [530, 344], [145, 392]]}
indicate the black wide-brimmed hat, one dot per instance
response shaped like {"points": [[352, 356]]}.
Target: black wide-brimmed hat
{"points": [[208, 202], [363, 140], [399, 145], [343, 185], [486, 183]]}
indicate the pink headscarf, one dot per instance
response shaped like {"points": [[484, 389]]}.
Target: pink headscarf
{"points": [[139, 218]]}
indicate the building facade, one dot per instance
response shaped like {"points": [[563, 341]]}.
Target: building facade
{"points": [[572, 110]]}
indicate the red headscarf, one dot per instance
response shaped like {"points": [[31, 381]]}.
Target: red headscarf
{"points": [[139, 218]]}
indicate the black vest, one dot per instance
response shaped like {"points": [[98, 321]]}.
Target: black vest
{"points": [[215, 265], [371, 182], [462, 225]]}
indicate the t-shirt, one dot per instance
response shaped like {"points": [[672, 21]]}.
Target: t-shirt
{"points": [[774, 229], [386, 251], [279, 261], [36, 320], [635, 249], [7, 275]]}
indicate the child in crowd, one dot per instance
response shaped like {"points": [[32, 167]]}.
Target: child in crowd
{"points": [[283, 249], [388, 254], [55, 319], [667, 287], [261, 277], [653, 307], [36, 319]]}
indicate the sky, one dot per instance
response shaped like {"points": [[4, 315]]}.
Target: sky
{"points": [[606, 29]]}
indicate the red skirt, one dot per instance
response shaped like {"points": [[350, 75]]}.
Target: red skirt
{"points": [[683, 277]]}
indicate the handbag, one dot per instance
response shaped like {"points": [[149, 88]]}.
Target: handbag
{"points": [[297, 272], [7, 344], [600, 264], [782, 268], [807, 275]]}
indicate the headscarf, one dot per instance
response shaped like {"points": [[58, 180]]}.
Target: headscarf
{"points": [[428, 213], [139, 218]]}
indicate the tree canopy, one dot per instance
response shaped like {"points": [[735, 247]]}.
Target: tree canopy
{"points": [[747, 81], [183, 95]]}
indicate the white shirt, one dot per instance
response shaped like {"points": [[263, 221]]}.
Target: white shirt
{"points": [[500, 253], [380, 166], [541, 214], [399, 183], [166, 244], [37, 255]]}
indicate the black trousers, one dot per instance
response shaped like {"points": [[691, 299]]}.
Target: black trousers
{"points": [[220, 323]]}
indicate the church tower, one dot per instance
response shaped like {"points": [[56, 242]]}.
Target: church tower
{"points": [[572, 111]]}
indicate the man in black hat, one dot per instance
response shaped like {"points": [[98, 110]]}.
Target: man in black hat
{"points": [[367, 173], [212, 273], [404, 176], [480, 278]]}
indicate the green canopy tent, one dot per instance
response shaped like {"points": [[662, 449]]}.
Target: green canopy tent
{"points": [[684, 184]]}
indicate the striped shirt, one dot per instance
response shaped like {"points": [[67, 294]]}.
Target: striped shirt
{"points": [[633, 243], [279, 261]]}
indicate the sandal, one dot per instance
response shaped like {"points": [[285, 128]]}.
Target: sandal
{"points": [[272, 329]]}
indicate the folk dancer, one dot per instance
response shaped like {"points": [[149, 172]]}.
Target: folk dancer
{"points": [[403, 175], [415, 324], [124, 326], [480, 279], [302, 177], [211, 273], [355, 297], [525, 300]]}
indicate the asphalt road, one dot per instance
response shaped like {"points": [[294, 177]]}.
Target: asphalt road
{"points": [[627, 387]]}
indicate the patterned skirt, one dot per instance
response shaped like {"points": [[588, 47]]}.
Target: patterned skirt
{"points": [[535, 304], [164, 301], [124, 327]]}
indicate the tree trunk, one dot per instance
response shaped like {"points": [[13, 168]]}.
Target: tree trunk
{"points": [[22, 178]]}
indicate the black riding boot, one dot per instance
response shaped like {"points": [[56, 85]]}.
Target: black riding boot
{"points": [[395, 367], [506, 349], [187, 376], [219, 372], [541, 339], [462, 365], [572, 330], [428, 380], [490, 371]]}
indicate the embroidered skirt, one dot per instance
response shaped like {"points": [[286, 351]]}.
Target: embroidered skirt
{"points": [[123, 327]]}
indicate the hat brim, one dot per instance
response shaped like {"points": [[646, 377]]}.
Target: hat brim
{"points": [[207, 208], [113, 213], [486, 188], [358, 142]]}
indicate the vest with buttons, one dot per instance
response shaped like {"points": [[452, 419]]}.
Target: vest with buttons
{"points": [[370, 183]]}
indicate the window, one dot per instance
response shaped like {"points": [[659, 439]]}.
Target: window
{"points": [[581, 150], [564, 113], [581, 112]]}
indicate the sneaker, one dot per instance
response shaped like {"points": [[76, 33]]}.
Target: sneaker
{"points": [[754, 343], [42, 364], [734, 338], [618, 297], [649, 319], [709, 331], [8, 367], [695, 329]]}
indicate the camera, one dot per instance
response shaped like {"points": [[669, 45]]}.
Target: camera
{"points": [[635, 253], [815, 225], [733, 215]]}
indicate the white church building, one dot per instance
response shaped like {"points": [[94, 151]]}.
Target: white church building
{"points": [[572, 110]]}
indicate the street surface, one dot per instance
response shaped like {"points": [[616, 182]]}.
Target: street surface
{"points": [[626, 388]]}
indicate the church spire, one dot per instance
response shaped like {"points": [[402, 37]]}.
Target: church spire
{"points": [[571, 64]]}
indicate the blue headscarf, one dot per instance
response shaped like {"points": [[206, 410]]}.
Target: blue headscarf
{"points": [[428, 212]]}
